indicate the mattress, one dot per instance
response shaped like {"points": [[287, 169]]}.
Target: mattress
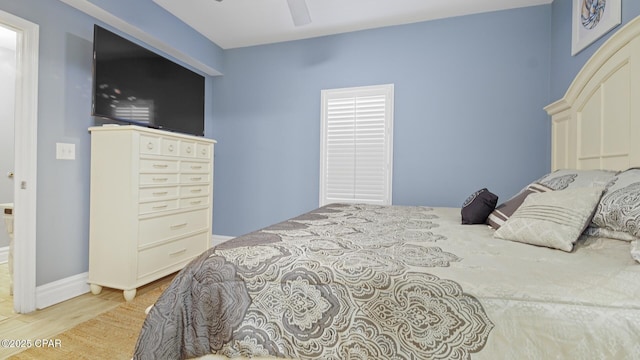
{"points": [[397, 282]]}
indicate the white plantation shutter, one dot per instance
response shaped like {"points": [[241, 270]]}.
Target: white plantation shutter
{"points": [[356, 145]]}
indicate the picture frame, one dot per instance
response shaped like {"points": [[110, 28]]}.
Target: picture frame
{"points": [[591, 20]]}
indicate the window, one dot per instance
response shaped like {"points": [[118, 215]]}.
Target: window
{"points": [[356, 145]]}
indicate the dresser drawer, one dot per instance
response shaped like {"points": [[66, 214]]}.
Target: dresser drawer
{"points": [[203, 151], [169, 147], [193, 202], [149, 145], [158, 193], [156, 206], [155, 165], [169, 254], [194, 167], [194, 178], [158, 179], [194, 190], [161, 228], [155, 145], [187, 148]]}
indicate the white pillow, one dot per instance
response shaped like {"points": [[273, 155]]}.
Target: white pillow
{"points": [[552, 219]]}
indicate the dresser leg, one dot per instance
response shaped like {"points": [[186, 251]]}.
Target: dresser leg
{"points": [[129, 294], [95, 289]]}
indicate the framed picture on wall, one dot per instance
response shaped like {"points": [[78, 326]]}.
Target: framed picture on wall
{"points": [[591, 20]]}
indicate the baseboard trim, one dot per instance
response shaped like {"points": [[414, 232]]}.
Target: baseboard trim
{"points": [[67, 288], [219, 239], [61, 290], [4, 255]]}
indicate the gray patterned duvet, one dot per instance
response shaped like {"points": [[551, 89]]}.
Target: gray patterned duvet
{"points": [[373, 282]]}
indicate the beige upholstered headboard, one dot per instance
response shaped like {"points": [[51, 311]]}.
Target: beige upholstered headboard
{"points": [[596, 125]]}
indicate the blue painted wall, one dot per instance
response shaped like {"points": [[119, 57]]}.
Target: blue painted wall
{"points": [[469, 93], [565, 67], [64, 104], [469, 98]]}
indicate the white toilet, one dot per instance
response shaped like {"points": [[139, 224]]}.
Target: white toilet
{"points": [[7, 214]]}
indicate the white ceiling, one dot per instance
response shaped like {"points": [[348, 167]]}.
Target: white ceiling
{"points": [[240, 23]]}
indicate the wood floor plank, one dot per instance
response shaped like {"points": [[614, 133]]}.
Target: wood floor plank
{"points": [[46, 323]]}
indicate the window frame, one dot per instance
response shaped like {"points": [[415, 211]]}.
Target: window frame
{"points": [[386, 90]]}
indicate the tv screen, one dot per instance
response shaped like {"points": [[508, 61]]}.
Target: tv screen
{"points": [[134, 85]]}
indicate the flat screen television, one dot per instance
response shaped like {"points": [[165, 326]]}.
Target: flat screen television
{"points": [[134, 85]]}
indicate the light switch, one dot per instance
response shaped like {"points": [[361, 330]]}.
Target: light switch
{"points": [[65, 151]]}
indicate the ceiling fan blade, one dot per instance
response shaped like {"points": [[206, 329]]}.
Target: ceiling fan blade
{"points": [[299, 12]]}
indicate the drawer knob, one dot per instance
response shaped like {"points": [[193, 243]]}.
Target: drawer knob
{"points": [[170, 147], [150, 145], [204, 151]]}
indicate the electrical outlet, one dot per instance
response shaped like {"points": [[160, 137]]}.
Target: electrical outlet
{"points": [[65, 151]]}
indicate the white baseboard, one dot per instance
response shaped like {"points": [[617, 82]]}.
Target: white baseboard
{"points": [[4, 254], [61, 290], [219, 239], [67, 288]]}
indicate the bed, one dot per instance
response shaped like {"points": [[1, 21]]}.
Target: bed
{"points": [[555, 274]]}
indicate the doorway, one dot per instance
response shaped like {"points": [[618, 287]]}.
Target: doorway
{"points": [[25, 160], [7, 105]]}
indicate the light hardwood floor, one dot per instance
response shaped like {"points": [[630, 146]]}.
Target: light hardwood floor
{"points": [[46, 323]]}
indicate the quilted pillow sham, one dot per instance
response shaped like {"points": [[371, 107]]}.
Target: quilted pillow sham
{"points": [[570, 179], [618, 213], [503, 211], [552, 219], [593, 230]]}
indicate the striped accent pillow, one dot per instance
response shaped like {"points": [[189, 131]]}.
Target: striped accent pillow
{"points": [[503, 211], [552, 219]]}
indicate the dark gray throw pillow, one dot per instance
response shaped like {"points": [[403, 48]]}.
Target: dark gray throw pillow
{"points": [[478, 206]]}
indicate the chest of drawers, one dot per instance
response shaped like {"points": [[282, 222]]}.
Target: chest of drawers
{"points": [[150, 204]]}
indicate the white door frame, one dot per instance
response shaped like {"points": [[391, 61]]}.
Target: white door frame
{"points": [[25, 162]]}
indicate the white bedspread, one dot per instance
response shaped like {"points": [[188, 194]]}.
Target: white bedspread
{"points": [[547, 304], [366, 281]]}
